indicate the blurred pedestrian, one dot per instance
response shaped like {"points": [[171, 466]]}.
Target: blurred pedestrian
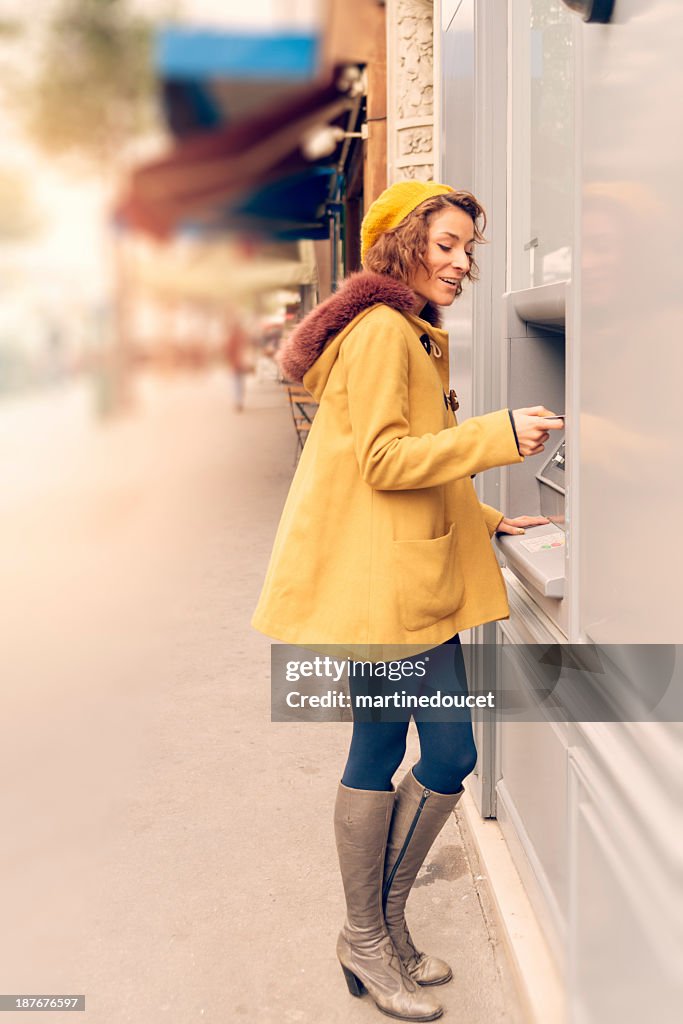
{"points": [[383, 541], [236, 349]]}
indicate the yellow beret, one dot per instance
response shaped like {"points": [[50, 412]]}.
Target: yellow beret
{"points": [[393, 206]]}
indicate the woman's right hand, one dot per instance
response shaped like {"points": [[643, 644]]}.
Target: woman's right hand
{"points": [[532, 428]]}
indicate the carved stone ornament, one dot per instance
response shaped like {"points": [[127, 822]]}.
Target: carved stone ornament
{"points": [[411, 89]]}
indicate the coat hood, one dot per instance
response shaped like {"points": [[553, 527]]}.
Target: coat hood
{"points": [[358, 293]]}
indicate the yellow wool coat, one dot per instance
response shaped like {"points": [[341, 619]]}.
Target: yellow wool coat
{"points": [[382, 539]]}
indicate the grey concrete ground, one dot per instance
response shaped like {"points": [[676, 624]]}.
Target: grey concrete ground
{"points": [[165, 848]]}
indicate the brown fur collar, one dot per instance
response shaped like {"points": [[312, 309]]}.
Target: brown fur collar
{"points": [[358, 292]]}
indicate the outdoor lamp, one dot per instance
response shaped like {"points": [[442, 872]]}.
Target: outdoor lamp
{"points": [[322, 140], [351, 80]]}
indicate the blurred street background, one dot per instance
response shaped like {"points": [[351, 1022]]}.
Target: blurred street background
{"points": [[166, 850]]}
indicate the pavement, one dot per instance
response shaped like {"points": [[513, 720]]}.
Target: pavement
{"points": [[166, 850]]}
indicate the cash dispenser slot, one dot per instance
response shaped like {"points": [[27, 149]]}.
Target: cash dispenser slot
{"points": [[535, 321]]}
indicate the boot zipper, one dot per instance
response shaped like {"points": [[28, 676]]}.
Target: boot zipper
{"points": [[426, 793]]}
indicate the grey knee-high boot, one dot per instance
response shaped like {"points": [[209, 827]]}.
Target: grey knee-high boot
{"points": [[364, 948], [419, 815]]}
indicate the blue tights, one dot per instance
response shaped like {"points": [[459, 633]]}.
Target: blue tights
{"points": [[447, 750]]}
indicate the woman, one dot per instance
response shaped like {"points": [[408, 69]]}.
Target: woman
{"points": [[383, 541]]}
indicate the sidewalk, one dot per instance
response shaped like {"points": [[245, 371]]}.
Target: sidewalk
{"points": [[167, 850]]}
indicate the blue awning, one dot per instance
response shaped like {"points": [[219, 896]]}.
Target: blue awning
{"points": [[214, 78], [197, 54], [292, 207]]}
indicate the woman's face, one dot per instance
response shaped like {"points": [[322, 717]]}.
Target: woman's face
{"points": [[450, 245]]}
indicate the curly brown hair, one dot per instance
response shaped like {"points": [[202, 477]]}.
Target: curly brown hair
{"points": [[397, 252]]}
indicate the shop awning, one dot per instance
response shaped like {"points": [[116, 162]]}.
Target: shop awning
{"points": [[291, 207], [211, 77], [208, 176], [201, 53]]}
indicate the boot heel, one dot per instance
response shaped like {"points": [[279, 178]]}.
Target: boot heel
{"points": [[354, 985]]}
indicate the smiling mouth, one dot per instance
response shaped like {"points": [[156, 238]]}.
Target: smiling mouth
{"points": [[453, 281]]}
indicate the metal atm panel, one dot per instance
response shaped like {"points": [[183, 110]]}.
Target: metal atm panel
{"points": [[536, 373]]}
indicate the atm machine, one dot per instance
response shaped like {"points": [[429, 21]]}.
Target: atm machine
{"points": [[535, 356], [576, 158], [531, 808]]}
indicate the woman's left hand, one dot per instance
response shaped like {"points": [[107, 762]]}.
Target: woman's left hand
{"points": [[519, 524]]}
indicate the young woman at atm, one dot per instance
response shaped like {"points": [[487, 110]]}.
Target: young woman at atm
{"points": [[383, 541]]}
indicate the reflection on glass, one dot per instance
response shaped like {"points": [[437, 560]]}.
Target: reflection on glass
{"points": [[543, 135]]}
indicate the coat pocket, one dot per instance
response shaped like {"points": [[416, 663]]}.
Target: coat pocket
{"points": [[429, 579]]}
